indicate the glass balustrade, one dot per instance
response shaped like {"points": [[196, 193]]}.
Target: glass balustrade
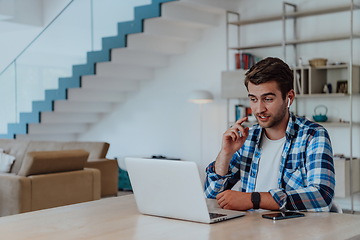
{"points": [[78, 29]]}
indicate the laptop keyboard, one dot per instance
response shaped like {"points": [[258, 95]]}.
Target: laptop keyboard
{"points": [[216, 215]]}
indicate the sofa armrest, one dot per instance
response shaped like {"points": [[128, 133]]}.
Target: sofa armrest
{"points": [[109, 175], [64, 188], [15, 194], [53, 161]]}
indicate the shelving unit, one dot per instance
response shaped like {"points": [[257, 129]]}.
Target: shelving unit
{"points": [[298, 14], [309, 82], [295, 15], [312, 80]]}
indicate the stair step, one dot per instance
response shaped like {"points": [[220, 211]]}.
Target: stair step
{"points": [[83, 107], [193, 14], [110, 69], [109, 83], [181, 23], [59, 117], [155, 43], [93, 95], [48, 137], [172, 29], [55, 128], [138, 58]]}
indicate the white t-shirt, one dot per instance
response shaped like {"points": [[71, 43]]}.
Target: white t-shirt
{"points": [[269, 164]]}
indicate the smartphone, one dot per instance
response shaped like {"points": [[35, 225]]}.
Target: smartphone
{"points": [[283, 215]]}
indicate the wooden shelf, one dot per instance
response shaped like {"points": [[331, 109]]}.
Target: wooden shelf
{"points": [[267, 45], [334, 66], [298, 14], [337, 124], [325, 124], [326, 67], [321, 95], [322, 39], [258, 20], [294, 42], [338, 9]]}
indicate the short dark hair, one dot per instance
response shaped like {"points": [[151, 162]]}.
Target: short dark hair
{"points": [[271, 69]]}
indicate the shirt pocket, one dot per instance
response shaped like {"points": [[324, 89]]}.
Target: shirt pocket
{"points": [[293, 178]]}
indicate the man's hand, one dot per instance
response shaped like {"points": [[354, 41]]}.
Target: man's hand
{"points": [[234, 200], [234, 137], [232, 140]]}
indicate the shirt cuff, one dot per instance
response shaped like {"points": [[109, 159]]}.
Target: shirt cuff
{"points": [[213, 175], [280, 198]]}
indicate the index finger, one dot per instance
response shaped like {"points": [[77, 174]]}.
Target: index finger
{"points": [[240, 128], [241, 121], [238, 125]]}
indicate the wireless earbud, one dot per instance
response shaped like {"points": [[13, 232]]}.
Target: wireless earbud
{"points": [[288, 103]]}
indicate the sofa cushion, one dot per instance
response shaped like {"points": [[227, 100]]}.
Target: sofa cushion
{"points": [[44, 162], [37, 146], [97, 150], [16, 148], [6, 161], [31, 146]]}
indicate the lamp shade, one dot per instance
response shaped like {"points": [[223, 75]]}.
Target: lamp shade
{"points": [[201, 97]]}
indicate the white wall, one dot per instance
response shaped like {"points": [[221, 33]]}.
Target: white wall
{"points": [[64, 44], [159, 120]]}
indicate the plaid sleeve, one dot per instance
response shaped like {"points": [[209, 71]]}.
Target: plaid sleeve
{"points": [[215, 183], [320, 178]]}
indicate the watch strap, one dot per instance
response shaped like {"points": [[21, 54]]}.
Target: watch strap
{"points": [[255, 199]]}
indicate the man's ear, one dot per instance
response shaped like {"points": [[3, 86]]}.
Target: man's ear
{"points": [[290, 97]]}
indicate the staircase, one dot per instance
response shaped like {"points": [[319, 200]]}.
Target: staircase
{"points": [[160, 30]]}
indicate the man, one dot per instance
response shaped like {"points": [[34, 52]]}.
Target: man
{"points": [[282, 163]]}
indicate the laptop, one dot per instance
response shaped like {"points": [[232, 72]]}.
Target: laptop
{"points": [[173, 189]]}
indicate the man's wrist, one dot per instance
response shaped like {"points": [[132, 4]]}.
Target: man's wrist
{"points": [[224, 155], [255, 199], [222, 163]]}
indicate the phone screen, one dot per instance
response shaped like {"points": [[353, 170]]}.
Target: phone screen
{"points": [[283, 215]]}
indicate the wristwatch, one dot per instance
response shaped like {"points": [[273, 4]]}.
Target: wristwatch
{"points": [[255, 199]]}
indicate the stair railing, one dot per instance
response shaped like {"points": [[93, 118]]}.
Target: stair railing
{"points": [[66, 41]]}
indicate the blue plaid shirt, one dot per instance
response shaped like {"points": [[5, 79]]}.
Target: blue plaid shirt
{"points": [[306, 176]]}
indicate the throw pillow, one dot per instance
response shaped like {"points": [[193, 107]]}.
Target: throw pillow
{"points": [[6, 161], [44, 162]]}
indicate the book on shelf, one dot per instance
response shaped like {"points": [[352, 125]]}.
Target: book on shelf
{"points": [[242, 111], [245, 60]]}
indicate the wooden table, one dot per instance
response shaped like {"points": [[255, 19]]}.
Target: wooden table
{"points": [[118, 218]]}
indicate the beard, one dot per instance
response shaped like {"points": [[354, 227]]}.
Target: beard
{"points": [[274, 119]]}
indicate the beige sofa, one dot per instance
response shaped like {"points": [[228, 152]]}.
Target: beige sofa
{"points": [[48, 174]]}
